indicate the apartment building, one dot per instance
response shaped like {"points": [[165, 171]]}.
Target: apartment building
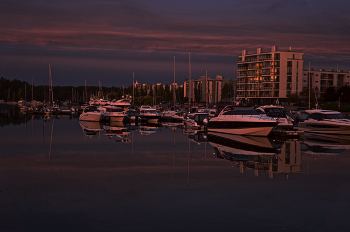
{"points": [[208, 90], [269, 77], [322, 79]]}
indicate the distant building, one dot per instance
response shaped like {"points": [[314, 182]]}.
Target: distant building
{"points": [[269, 77], [208, 91], [321, 80]]}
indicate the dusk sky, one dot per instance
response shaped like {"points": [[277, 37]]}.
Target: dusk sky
{"points": [[108, 40]]}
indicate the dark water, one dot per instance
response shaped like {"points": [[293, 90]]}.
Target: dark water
{"points": [[55, 177]]}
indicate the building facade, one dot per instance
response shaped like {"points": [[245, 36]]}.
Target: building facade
{"points": [[322, 79], [269, 77], [206, 89]]}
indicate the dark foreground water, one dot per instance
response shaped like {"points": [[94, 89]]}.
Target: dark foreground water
{"points": [[56, 177]]}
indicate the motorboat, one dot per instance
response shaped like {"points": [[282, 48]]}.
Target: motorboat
{"points": [[324, 122], [196, 120], [171, 115], [148, 114], [123, 103], [91, 114], [241, 120], [277, 112], [211, 112], [114, 114]]}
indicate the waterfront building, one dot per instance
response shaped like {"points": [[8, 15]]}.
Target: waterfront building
{"points": [[207, 90], [269, 77], [322, 79]]}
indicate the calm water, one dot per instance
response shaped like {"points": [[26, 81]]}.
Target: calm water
{"points": [[55, 176]]}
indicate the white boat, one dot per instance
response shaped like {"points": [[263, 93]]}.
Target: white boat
{"points": [[170, 115], [91, 114], [114, 114], [241, 120], [211, 112], [149, 115], [196, 120], [277, 112], [324, 122], [123, 103], [97, 101]]}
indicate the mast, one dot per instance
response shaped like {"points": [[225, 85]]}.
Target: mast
{"points": [[86, 98], [206, 88], [309, 86], [174, 96], [189, 80], [50, 86], [133, 90], [32, 91]]}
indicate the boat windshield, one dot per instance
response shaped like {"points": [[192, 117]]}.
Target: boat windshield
{"points": [[274, 112], [241, 111], [149, 111], [334, 116]]}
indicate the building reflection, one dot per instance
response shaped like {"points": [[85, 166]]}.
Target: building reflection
{"points": [[261, 154]]}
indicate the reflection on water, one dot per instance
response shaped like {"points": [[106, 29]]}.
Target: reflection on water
{"points": [[59, 174], [258, 153]]}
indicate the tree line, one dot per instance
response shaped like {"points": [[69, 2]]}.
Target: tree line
{"points": [[16, 90]]}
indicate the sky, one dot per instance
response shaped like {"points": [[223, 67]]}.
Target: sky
{"points": [[108, 40]]}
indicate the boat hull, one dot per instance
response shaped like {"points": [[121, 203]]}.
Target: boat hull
{"points": [[254, 128], [90, 116], [325, 128]]}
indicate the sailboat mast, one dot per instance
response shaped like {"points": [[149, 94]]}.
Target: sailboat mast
{"points": [[50, 86], [32, 91], [174, 96], [86, 98], [206, 88], [189, 80], [133, 89], [309, 87]]}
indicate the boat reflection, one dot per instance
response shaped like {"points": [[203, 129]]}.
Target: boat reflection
{"points": [[90, 129], [148, 129], [258, 153], [118, 131], [323, 144]]}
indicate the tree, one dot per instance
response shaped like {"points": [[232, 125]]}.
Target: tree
{"points": [[330, 95], [227, 91]]}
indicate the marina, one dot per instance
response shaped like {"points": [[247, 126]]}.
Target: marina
{"points": [[60, 172]]}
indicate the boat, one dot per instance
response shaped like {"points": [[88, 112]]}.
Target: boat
{"points": [[241, 120], [196, 120], [148, 114], [90, 113], [211, 112], [123, 103], [172, 116], [277, 112], [324, 122], [114, 114]]}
